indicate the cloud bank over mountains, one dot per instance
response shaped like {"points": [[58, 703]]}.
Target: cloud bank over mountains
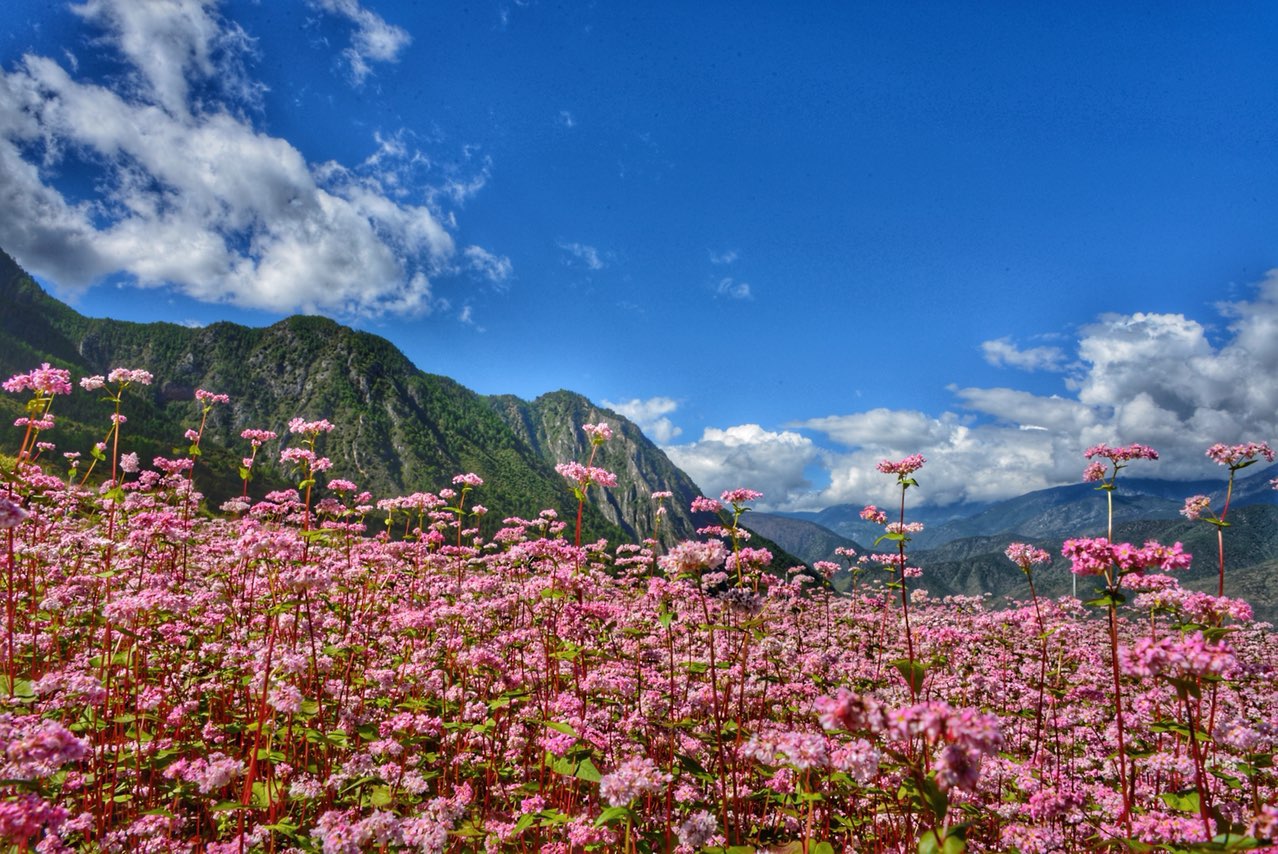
{"points": [[189, 193], [1158, 379]]}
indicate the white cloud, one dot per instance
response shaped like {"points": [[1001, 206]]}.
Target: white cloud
{"points": [[731, 288], [191, 195], [749, 456], [725, 257], [1002, 352], [374, 39], [580, 254], [1152, 378], [495, 268], [652, 416], [566, 119]]}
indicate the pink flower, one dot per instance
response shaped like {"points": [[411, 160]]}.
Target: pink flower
{"points": [[11, 513], [468, 480], [125, 376], [701, 504], [632, 778], [870, 513], [740, 496], [1095, 471], [257, 437], [904, 467], [210, 398], [298, 425], [586, 475], [1237, 456], [1024, 555], [43, 380], [598, 433], [1196, 506], [1121, 455]]}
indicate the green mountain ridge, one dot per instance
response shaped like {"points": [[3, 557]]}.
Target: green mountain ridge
{"points": [[398, 429]]}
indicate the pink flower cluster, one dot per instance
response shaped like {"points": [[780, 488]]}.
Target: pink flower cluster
{"points": [[42, 380], [632, 778], [965, 735], [209, 398], [586, 475], [598, 433], [1024, 555], [1235, 456], [693, 556], [1096, 555], [740, 496], [1178, 657], [1195, 507], [870, 513], [902, 468], [11, 513], [701, 504], [1123, 454], [311, 428]]}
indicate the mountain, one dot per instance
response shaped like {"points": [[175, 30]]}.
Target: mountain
{"points": [[398, 429], [807, 540]]}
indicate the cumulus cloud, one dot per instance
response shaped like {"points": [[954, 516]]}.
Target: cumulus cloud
{"points": [[652, 416], [750, 456], [1001, 352], [1158, 379], [581, 255], [190, 194], [373, 39]]}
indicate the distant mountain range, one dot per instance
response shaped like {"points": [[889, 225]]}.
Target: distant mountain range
{"points": [[961, 547]]}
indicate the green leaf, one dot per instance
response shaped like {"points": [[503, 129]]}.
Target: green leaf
{"points": [[1107, 600], [912, 672], [1183, 801], [613, 815]]}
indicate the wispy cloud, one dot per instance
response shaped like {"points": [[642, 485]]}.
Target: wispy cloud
{"points": [[567, 119], [192, 195], [733, 289], [652, 416], [1143, 377], [727, 256], [582, 255], [373, 40], [1001, 352]]}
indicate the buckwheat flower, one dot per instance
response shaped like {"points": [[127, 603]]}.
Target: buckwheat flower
{"points": [[1024, 555], [740, 496], [93, 383], [633, 778], [693, 557], [257, 437], [598, 433], [1195, 506], [469, 479], [337, 484], [1123, 454], [1088, 555], [1094, 472], [904, 467], [208, 397], [701, 504], [904, 528], [299, 425], [586, 475], [826, 568], [697, 830], [43, 380], [912, 572], [11, 513], [662, 495], [870, 513], [1238, 456], [126, 376]]}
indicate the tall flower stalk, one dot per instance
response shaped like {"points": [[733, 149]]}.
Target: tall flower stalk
{"points": [[581, 477], [1235, 458], [899, 533], [1097, 472]]}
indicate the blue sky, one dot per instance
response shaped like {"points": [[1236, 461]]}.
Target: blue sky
{"points": [[788, 239]]}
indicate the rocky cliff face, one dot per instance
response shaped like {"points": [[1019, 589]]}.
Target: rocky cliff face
{"points": [[551, 426]]}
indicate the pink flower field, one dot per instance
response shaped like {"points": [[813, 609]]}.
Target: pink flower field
{"points": [[319, 669]]}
